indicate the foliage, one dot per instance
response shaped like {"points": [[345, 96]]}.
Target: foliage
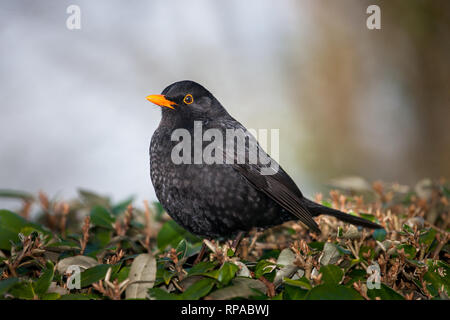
{"points": [[124, 252]]}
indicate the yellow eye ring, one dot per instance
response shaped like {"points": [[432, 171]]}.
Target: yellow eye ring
{"points": [[188, 99]]}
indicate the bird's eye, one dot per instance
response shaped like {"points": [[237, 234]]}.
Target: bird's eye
{"points": [[188, 99]]}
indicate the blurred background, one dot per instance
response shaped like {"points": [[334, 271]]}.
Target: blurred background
{"points": [[348, 101]]}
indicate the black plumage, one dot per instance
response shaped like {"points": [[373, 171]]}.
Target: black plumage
{"points": [[222, 199]]}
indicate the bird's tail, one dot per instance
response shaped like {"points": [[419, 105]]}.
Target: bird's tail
{"points": [[318, 209]]}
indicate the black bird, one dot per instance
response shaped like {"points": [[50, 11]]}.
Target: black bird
{"points": [[222, 199]]}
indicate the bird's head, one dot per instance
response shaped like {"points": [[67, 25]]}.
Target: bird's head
{"points": [[188, 101]]}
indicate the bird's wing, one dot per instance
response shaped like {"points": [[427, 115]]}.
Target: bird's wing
{"points": [[277, 185]]}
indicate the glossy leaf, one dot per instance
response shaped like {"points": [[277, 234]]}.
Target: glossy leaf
{"points": [[93, 199], [171, 234], [199, 289], [10, 226], [294, 293], [331, 274], [23, 290], [6, 284], [43, 283], [14, 194], [101, 217], [78, 296], [379, 234], [410, 251], [428, 237], [263, 267], [227, 272], [333, 292], [201, 267], [303, 282], [51, 296], [94, 274], [384, 293], [121, 207], [182, 249], [160, 294]]}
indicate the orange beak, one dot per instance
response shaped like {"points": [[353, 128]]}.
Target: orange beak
{"points": [[161, 100]]}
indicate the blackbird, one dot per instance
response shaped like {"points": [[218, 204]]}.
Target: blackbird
{"points": [[223, 199]]}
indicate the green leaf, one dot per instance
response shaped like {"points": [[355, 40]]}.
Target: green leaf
{"points": [[316, 245], [270, 254], [379, 234], [102, 238], [327, 204], [342, 250], [168, 275], [263, 267], [10, 226], [122, 206], [159, 210], [22, 290], [201, 267], [437, 276], [446, 191], [101, 217], [94, 274], [182, 249], [294, 293], [331, 274], [410, 251], [199, 289], [63, 245], [407, 229], [384, 293], [160, 294], [123, 274], [367, 216], [428, 237], [333, 292], [277, 297], [93, 199], [356, 275], [214, 274], [43, 283], [303, 282], [417, 263], [171, 234], [5, 285], [78, 296], [51, 296], [366, 251], [14, 194], [408, 198], [227, 272], [193, 249]]}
